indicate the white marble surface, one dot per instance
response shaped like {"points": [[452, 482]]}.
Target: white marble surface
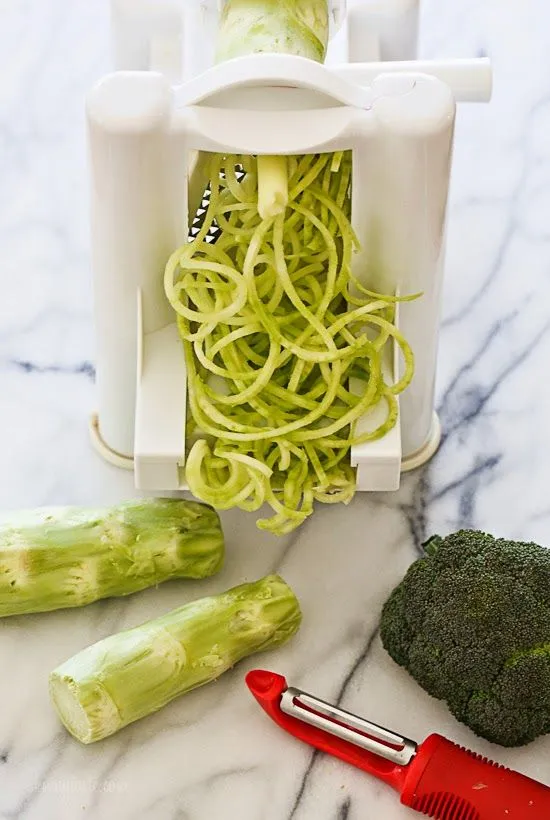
{"points": [[213, 755]]}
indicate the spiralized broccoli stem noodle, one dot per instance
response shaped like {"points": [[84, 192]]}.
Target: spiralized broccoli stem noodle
{"points": [[284, 347]]}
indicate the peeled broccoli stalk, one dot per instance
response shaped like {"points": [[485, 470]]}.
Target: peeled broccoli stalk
{"points": [[132, 674], [72, 556], [298, 27], [471, 623]]}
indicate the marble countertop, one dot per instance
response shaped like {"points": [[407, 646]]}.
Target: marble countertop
{"points": [[212, 755]]}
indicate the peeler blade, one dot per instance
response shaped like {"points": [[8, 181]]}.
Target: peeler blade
{"points": [[347, 726], [358, 742]]}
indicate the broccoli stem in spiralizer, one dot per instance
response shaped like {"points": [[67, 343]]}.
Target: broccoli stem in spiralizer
{"points": [[134, 673], [68, 557], [297, 27]]}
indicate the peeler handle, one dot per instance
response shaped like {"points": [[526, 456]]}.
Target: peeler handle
{"points": [[447, 781]]}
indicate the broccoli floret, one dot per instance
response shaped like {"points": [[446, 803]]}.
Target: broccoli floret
{"points": [[471, 623]]}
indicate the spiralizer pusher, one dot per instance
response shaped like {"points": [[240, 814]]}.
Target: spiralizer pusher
{"points": [[152, 123]]}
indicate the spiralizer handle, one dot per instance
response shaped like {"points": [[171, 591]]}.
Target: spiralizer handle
{"points": [[446, 781]]}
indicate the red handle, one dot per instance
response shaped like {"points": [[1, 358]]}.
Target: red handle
{"points": [[448, 782]]}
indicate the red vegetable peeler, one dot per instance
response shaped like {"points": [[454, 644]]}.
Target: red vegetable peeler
{"points": [[436, 778]]}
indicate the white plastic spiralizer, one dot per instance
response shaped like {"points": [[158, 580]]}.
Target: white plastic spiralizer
{"points": [[152, 122]]}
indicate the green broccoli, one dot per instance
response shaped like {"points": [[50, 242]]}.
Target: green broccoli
{"points": [[471, 623]]}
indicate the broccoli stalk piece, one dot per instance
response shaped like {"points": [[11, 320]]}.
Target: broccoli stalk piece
{"points": [[134, 673], [54, 558], [471, 623]]}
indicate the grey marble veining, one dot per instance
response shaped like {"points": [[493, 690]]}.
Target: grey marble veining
{"points": [[212, 755]]}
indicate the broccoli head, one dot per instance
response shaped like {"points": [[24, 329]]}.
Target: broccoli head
{"points": [[471, 623]]}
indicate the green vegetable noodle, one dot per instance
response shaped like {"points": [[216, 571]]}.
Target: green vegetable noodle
{"points": [[134, 673], [471, 624], [69, 557], [274, 326]]}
